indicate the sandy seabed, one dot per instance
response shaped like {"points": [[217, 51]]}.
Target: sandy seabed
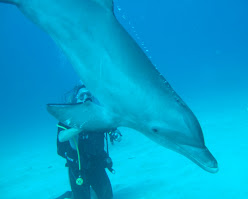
{"points": [[144, 170]]}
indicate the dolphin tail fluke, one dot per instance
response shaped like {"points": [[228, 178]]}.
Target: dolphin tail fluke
{"points": [[14, 2], [201, 156], [87, 116]]}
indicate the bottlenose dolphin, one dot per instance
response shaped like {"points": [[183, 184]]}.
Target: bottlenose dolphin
{"points": [[131, 92]]}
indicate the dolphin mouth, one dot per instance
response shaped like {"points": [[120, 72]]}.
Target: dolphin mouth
{"points": [[201, 156]]}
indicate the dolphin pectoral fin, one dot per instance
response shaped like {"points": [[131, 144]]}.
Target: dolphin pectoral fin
{"points": [[201, 156], [87, 116]]}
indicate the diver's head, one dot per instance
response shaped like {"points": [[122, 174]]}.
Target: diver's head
{"points": [[83, 95]]}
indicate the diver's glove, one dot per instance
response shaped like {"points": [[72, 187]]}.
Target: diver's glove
{"points": [[109, 164], [115, 136]]}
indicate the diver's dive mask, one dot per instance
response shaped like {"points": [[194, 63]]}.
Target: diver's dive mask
{"points": [[83, 95]]}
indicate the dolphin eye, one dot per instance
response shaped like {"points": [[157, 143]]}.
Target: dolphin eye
{"points": [[155, 130]]}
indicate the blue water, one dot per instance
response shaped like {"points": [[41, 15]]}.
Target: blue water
{"points": [[201, 47]]}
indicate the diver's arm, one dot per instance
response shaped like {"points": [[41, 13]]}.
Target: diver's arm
{"points": [[67, 134]]}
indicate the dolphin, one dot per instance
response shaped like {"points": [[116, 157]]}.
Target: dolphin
{"points": [[131, 91]]}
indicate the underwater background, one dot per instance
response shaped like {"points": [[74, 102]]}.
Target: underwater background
{"points": [[201, 47]]}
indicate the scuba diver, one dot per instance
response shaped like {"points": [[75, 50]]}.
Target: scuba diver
{"points": [[85, 156]]}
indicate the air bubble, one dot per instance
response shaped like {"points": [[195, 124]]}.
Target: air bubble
{"points": [[118, 8]]}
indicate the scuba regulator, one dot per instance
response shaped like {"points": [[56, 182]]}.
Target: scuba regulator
{"points": [[115, 136]]}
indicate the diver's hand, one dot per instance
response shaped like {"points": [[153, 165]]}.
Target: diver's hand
{"points": [[67, 134]]}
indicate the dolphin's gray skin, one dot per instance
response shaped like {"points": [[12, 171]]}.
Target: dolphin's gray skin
{"points": [[132, 93]]}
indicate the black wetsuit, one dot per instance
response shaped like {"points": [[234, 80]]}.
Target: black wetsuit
{"points": [[93, 164]]}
